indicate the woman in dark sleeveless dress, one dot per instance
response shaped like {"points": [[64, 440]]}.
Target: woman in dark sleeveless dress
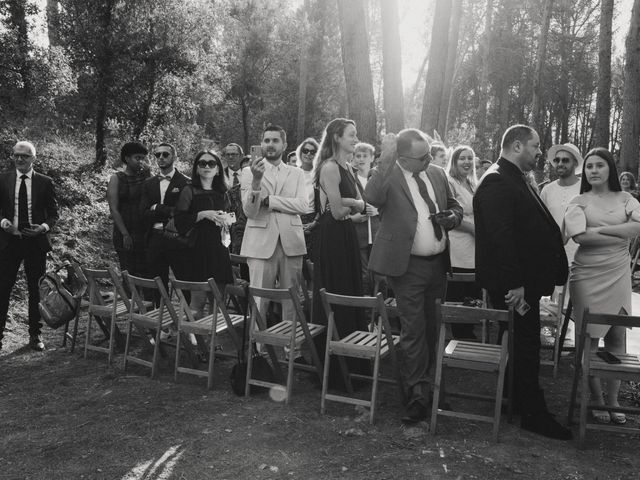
{"points": [[337, 267], [123, 194], [202, 207]]}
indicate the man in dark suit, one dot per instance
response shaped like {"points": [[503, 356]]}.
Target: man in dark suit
{"points": [[417, 208], [520, 257], [28, 211], [160, 194]]}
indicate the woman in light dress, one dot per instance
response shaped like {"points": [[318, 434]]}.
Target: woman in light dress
{"points": [[601, 220]]}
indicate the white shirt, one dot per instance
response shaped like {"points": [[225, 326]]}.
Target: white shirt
{"points": [[164, 186], [425, 243], [308, 183], [5, 221], [557, 198]]}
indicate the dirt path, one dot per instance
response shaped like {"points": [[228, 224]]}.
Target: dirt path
{"points": [[66, 417]]}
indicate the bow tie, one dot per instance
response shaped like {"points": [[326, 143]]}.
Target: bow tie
{"points": [[165, 177]]}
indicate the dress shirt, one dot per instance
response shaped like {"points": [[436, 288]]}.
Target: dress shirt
{"points": [[164, 186], [425, 242], [308, 183], [28, 183]]}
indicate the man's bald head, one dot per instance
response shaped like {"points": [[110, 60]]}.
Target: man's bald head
{"points": [[414, 151], [24, 148]]}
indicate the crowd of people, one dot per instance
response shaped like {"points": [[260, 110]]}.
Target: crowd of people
{"points": [[405, 218]]}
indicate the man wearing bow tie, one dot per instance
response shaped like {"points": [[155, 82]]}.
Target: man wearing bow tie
{"points": [[28, 211], [274, 196], [159, 196]]}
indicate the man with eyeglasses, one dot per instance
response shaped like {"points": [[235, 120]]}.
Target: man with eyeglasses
{"points": [[411, 248], [160, 194], [233, 155], [566, 161], [28, 211]]}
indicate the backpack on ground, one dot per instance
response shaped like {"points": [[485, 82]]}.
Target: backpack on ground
{"points": [[58, 305]]}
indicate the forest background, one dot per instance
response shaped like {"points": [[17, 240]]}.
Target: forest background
{"points": [[80, 77]]}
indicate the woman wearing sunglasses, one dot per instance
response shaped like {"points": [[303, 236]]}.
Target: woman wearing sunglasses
{"points": [[201, 207], [305, 154]]}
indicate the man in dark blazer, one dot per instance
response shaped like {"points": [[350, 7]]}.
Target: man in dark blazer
{"points": [[417, 208], [520, 257], [28, 211], [160, 194]]}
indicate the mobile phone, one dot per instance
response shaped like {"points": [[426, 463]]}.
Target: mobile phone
{"points": [[523, 308], [608, 357], [256, 152], [442, 214]]}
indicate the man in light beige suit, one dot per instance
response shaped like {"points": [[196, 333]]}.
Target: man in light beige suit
{"points": [[274, 196]]}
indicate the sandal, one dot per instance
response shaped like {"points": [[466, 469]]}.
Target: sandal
{"points": [[618, 418], [601, 416]]}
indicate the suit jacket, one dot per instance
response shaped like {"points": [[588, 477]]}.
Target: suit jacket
{"points": [[151, 196], [44, 207], [518, 243], [288, 199], [398, 217]]}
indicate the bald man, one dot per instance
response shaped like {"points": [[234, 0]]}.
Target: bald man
{"points": [[411, 248], [28, 211]]}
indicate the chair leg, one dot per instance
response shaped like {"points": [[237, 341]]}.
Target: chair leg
{"points": [[374, 389], [126, 346], [498, 405], [156, 350], [289, 385], [436, 396], [249, 367], [325, 377], [212, 350], [584, 399], [75, 330], [112, 327], [87, 336], [177, 359]]}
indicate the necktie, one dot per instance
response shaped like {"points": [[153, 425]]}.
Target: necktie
{"points": [[424, 193], [235, 179], [23, 205]]}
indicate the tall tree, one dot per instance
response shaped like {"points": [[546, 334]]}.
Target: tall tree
{"points": [[392, 66], [541, 57], [603, 99], [357, 67], [630, 149], [304, 72], [53, 22], [15, 13], [449, 74], [437, 67], [483, 86]]}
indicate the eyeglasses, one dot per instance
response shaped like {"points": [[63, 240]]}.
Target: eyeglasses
{"points": [[561, 160], [206, 163], [307, 151], [22, 156], [162, 154]]}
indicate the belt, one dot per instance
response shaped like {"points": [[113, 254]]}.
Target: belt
{"points": [[428, 258]]}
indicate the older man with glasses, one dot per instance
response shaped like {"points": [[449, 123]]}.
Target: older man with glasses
{"points": [[233, 154], [411, 249]]}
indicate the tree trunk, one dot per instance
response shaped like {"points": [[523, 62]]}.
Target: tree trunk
{"points": [[357, 69], [540, 61], [317, 25], [630, 148], [449, 74], [143, 117], [303, 75], [17, 19], [437, 67], [603, 98], [392, 66], [483, 87], [53, 23], [245, 124]]}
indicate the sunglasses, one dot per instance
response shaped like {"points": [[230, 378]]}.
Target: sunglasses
{"points": [[162, 154], [561, 160], [206, 163], [423, 158], [307, 151]]}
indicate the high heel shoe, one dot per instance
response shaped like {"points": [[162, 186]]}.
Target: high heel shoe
{"points": [[618, 418]]}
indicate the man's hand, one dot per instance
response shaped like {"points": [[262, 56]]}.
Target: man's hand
{"points": [[514, 297], [11, 230], [257, 169], [446, 221], [388, 152], [33, 231]]}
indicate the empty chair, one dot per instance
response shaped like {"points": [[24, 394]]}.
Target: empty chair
{"points": [[591, 364], [218, 321], [372, 345], [286, 333], [155, 320], [481, 357]]}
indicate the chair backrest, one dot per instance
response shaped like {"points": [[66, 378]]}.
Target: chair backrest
{"points": [[274, 295], [99, 282], [460, 314], [376, 304], [592, 318], [180, 286], [136, 284], [457, 277], [78, 280]]}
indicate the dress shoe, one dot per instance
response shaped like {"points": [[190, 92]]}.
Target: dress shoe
{"points": [[414, 412], [545, 424], [36, 343]]}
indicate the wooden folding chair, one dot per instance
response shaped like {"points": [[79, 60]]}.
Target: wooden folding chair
{"points": [[285, 333], [374, 345], [80, 285], [156, 320], [218, 321], [480, 357], [589, 364]]}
